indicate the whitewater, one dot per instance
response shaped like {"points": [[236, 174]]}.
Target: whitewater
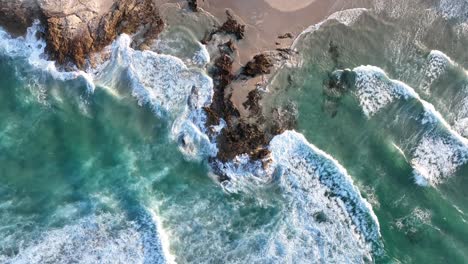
{"points": [[177, 93], [112, 164]]}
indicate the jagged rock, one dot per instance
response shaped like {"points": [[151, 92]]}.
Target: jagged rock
{"points": [[88, 27], [243, 135], [227, 48], [16, 16], [77, 28], [253, 102], [260, 64], [193, 5], [243, 138], [285, 36], [231, 26]]}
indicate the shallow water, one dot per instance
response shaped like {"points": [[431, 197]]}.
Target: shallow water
{"points": [[110, 166]]}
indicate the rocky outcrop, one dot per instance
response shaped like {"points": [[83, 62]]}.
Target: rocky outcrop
{"points": [[286, 36], [230, 27], [17, 15], [76, 28], [259, 65], [72, 34], [193, 5], [241, 134]]}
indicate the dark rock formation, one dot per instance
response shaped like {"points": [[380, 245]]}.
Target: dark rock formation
{"points": [[285, 36], [231, 26], [239, 136], [253, 102], [335, 86], [260, 64], [72, 39], [334, 52], [17, 16], [242, 138], [340, 81], [193, 5], [77, 28], [250, 134]]}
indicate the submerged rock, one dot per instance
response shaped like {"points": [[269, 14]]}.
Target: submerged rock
{"points": [[334, 52], [340, 81], [253, 102]]}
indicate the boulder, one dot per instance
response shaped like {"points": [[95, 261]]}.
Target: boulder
{"points": [[76, 28]]}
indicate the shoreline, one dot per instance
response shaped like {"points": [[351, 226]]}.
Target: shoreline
{"points": [[251, 42], [268, 28]]}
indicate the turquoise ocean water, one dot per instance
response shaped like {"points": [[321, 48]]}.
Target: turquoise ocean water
{"points": [[92, 169]]}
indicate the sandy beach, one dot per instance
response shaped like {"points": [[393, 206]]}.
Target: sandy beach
{"points": [[266, 20]]}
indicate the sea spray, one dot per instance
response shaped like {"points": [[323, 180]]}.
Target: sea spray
{"points": [[31, 49]]}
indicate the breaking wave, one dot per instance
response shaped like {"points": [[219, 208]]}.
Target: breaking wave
{"points": [[437, 150], [346, 17], [325, 218], [322, 203], [105, 238], [441, 73], [31, 50], [173, 90]]}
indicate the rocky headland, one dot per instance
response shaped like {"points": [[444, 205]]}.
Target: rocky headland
{"points": [[74, 29]]}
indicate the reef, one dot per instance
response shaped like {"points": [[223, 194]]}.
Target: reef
{"points": [[242, 134]]}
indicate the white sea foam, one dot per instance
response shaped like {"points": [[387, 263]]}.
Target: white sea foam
{"points": [[253, 174], [440, 151], [415, 221], [336, 224], [202, 56], [31, 49], [104, 238], [454, 9], [291, 152], [436, 158], [375, 90], [436, 66], [171, 89]]}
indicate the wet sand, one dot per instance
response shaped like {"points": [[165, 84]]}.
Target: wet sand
{"points": [[290, 5], [268, 19], [265, 20]]}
